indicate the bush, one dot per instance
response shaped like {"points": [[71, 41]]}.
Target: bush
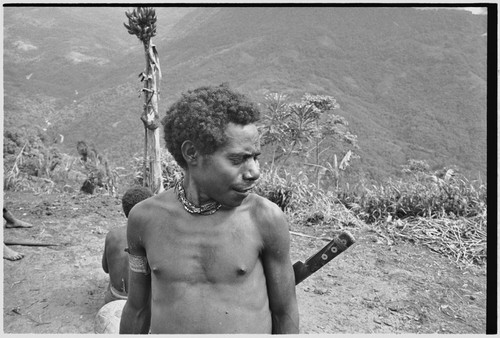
{"points": [[302, 201], [171, 171], [275, 188], [421, 195], [32, 163]]}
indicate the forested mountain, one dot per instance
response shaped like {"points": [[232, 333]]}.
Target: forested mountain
{"points": [[411, 82]]}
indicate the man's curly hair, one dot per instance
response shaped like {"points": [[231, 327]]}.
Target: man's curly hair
{"points": [[133, 196], [202, 115]]}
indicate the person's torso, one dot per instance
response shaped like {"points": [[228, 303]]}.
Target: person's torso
{"points": [[206, 273]]}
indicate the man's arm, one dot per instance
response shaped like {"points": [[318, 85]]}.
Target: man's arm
{"points": [[279, 272], [136, 315]]}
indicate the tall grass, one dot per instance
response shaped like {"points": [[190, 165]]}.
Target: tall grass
{"points": [[446, 213], [63, 177], [421, 195], [302, 200], [33, 164], [171, 171]]}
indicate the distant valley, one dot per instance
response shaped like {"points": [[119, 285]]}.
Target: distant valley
{"points": [[411, 83]]}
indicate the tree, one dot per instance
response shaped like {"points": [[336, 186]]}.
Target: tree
{"points": [[142, 23], [288, 127], [302, 128]]}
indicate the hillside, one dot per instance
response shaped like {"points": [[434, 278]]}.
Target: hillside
{"points": [[411, 83]]}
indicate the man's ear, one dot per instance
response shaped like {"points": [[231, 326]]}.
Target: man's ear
{"points": [[189, 152]]}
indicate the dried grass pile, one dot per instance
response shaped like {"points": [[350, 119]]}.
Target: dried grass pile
{"points": [[461, 239]]}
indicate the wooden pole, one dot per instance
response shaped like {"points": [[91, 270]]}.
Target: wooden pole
{"points": [[142, 23]]}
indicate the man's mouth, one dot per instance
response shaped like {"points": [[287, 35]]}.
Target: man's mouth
{"points": [[244, 190]]}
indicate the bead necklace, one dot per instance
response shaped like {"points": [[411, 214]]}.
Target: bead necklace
{"points": [[204, 209]]}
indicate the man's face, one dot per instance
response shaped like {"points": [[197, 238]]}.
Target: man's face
{"points": [[229, 174]]}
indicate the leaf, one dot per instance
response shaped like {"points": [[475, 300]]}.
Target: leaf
{"points": [[156, 59]]}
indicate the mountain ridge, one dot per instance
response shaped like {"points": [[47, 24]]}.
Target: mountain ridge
{"points": [[411, 83]]}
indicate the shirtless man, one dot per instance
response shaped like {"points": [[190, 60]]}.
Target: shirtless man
{"points": [[210, 256], [114, 258], [12, 222]]}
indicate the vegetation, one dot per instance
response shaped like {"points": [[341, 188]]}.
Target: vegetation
{"points": [[443, 209], [32, 163], [171, 171], [305, 131], [420, 194]]}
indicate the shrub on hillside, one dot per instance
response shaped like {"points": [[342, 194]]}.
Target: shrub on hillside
{"points": [[171, 171], [32, 163], [275, 188], [100, 174], [301, 200], [420, 195]]}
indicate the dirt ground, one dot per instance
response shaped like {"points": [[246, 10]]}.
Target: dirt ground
{"points": [[373, 287]]}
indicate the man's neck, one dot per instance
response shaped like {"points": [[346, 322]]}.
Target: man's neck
{"points": [[192, 192]]}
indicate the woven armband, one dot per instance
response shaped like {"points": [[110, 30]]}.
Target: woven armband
{"points": [[139, 264]]}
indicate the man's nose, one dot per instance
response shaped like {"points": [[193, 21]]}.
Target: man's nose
{"points": [[252, 170]]}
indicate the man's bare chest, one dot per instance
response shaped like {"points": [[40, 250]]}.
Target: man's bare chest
{"points": [[197, 254]]}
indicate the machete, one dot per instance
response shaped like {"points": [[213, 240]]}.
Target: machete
{"points": [[337, 245]]}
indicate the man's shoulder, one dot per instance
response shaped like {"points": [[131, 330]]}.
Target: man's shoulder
{"points": [[154, 202], [117, 231], [270, 219], [156, 207], [116, 235], [266, 212], [263, 205]]}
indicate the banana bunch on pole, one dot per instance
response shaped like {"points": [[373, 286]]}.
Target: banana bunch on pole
{"points": [[142, 23]]}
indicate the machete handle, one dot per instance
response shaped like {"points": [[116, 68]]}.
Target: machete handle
{"points": [[335, 247]]}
